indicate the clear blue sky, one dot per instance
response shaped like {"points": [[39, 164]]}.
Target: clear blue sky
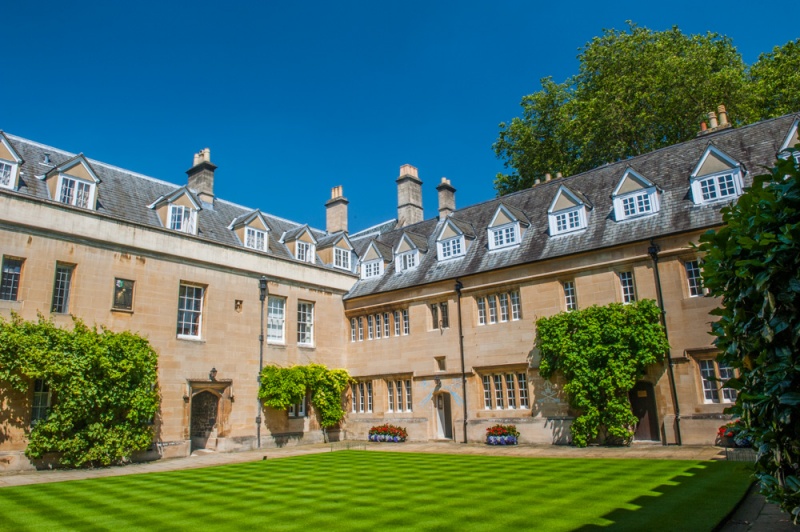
{"points": [[294, 98]]}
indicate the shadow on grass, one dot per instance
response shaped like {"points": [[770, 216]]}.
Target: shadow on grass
{"points": [[699, 499]]}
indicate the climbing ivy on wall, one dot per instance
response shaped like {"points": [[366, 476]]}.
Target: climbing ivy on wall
{"points": [[601, 352], [103, 386], [282, 387]]}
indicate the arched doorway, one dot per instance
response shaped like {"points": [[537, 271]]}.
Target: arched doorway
{"points": [[643, 406], [444, 419], [205, 412]]}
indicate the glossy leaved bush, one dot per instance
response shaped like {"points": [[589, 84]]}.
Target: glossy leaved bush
{"points": [[601, 352], [282, 387], [103, 385], [753, 264]]}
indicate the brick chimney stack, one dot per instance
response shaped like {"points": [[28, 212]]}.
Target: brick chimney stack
{"points": [[201, 176], [336, 211], [409, 196], [447, 198]]}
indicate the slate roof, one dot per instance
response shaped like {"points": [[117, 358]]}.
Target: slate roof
{"points": [[126, 195], [754, 146]]}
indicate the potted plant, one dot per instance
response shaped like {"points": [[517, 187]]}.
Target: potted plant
{"points": [[388, 433], [502, 435], [733, 434]]}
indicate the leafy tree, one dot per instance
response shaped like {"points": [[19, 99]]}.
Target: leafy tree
{"points": [[104, 386], [775, 81], [601, 352], [282, 387], [635, 91], [753, 264]]}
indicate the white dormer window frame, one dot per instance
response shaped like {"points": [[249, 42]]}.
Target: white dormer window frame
{"points": [[8, 172], [182, 219], [255, 239], [408, 260], [504, 236], [305, 251], [636, 203], [74, 191], [341, 258], [451, 248], [568, 220], [719, 186], [371, 268]]}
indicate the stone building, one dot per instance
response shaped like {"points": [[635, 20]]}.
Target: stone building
{"points": [[434, 318]]}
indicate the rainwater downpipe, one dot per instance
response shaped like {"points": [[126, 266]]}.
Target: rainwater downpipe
{"points": [[653, 252], [262, 295], [459, 286]]}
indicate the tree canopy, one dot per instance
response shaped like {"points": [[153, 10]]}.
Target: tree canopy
{"points": [[638, 90], [753, 264]]}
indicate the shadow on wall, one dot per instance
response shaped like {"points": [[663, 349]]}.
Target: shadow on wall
{"points": [[14, 407]]}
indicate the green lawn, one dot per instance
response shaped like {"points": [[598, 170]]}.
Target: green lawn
{"points": [[360, 490]]}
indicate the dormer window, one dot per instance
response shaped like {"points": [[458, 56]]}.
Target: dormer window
{"points": [[716, 177], [341, 258], [371, 269], [567, 212], [7, 172], [505, 227], [451, 248], [75, 192], [182, 219], [407, 260], [255, 239], [304, 251], [634, 196], [9, 163]]}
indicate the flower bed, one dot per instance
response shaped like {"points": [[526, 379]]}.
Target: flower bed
{"points": [[502, 435], [733, 435], [388, 433]]}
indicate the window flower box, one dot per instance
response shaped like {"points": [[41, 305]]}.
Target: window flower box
{"points": [[388, 433], [502, 435]]}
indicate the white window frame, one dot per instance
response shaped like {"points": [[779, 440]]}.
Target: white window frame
{"points": [[255, 239], [397, 323], [522, 385], [713, 376], [451, 248], [643, 202], [406, 323], [276, 320], [81, 193], [371, 268], [378, 326], [487, 392], [352, 329], [42, 398], [8, 173], [370, 330], [360, 328], [504, 236], [627, 286], [516, 306], [297, 410], [499, 402], [492, 300], [409, 403], [503, 306], [190, 320], [574, 219], [182, 219], [304, 251], [341, 258], [62, 288], [386, 327], [570, 295], [708, 188], [481, 303], [390, 390], [305, 323], [408, 260], [694, 278]]}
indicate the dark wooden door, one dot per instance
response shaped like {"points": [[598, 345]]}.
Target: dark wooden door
{"points": [[643, 405]]}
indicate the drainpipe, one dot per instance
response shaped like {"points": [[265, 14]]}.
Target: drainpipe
{"points": [[262, 295], [458, 288], [653, 252]]}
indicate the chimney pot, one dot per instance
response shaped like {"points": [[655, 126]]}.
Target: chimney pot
{"points": [[558, 175], [723, 116], [201, 175], [447, 198], [703, 127], [336, 211], [712, 120], [409, 196], [547, 176]]}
